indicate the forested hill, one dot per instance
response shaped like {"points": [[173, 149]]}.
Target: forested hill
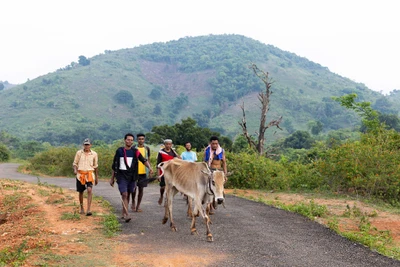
{"points": [[205, 78]]}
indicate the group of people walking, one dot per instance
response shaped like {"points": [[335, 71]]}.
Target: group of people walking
{"points": [[132, 171]]}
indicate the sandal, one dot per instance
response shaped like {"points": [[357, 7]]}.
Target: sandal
{"points": [[128, 219], [89, 213], [139, 210]]}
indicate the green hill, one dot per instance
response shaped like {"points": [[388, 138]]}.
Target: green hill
{"points": [[205, 78]]}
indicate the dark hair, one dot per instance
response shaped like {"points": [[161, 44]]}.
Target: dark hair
{"points": [[129, 134], [214, 137], [140, 134], [187, 142]]}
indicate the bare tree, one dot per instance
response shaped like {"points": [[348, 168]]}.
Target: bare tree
{"points": [[264, 98]]}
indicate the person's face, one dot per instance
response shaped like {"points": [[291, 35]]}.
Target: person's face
{"points": [[87, 147], [168, 146], [214, 144], [129, 141], [141, 140], [188, 146]]}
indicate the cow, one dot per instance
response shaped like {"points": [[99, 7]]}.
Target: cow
{"points": [[195, 180]]}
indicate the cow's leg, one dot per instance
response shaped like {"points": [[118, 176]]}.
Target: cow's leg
{"points": [[166, 210], [197, 208], [208, 208], [207, 221], [189, 210], [169, 197]]}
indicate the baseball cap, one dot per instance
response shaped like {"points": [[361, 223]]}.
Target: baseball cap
{"points": [[86, 141]]}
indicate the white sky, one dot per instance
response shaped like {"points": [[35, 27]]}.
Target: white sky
{"points": [[358, 39]]}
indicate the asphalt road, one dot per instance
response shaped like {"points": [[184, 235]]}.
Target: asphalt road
{"points": [[245, 233]]}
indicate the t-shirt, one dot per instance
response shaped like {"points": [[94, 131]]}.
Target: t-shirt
{"points": [[125, 162], [189, 156], [146, 154]]}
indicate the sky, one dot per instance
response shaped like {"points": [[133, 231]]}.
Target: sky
{"points": [[359, 40]]}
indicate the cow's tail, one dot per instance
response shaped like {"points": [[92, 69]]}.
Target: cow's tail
{"points": [[160, 169]]}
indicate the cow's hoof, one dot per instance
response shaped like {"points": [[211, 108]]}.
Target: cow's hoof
{"points": [[194, 232], [210, 238], [164, 221]]}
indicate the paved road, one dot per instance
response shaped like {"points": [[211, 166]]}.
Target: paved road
{"points": [[246, 233]]}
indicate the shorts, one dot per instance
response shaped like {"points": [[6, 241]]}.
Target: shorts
{"points": [[162, 182], [125, 185], [142, 181], [82, 187]]}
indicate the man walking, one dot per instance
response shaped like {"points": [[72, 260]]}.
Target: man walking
{"points": [[142, 174], [214, 155], [125, 169], [86, 170], [189, 155], [165, 154]]}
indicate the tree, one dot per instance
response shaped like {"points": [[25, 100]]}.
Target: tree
{"points": [[4, 153], [264, 98], [299, 140], [1, 86], [315, 127], [370, 117], [187, 130], [83, 61], [123, 97]]}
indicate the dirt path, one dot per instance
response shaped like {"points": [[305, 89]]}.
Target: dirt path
{"points": [[246, 233]]}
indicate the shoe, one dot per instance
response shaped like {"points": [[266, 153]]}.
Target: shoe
{"points": [[128, 219], [89, 213]]}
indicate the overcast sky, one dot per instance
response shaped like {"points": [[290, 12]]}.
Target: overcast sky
{"points": [[358, 39]]}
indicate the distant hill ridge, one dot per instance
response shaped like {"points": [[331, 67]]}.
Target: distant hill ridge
{"points": [[205, 77]]}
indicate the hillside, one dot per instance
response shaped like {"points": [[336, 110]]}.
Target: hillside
{"points": [[204, 77]]}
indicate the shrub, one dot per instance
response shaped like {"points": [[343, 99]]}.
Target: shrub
{"points": [[4, 153]]}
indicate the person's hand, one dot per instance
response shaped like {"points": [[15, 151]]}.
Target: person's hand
{"points": [[112, 181], [151, 172], [75, 172], [96, 181]]}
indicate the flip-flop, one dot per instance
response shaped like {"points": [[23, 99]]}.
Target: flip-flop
{"points": [[139, 210], [89, 213]]}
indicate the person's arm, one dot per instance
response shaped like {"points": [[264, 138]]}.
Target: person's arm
{"points": [[114, 168], [146, 163], [75, 163], [224, 165], [96, 169]]}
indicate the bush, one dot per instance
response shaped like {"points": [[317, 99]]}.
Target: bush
{"points": [[369, 167], [4, 153]]}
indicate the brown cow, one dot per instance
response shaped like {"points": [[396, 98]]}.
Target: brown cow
{"points": [[195, 180]]}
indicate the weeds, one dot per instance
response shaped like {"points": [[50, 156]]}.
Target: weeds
{"points": [[13, 258], [111, 225], [74, 216]]}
